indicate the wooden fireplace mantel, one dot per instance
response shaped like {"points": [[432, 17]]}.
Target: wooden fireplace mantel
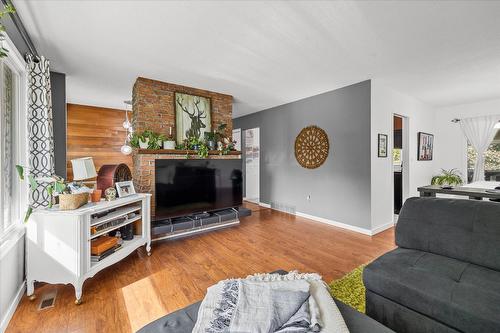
{"points": [[182, 152]]}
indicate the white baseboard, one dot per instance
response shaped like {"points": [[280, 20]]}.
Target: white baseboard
{"points": [[363, 231], [335, 223], [381, 228], [12, 308]]}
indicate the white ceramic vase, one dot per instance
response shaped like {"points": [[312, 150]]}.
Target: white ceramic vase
{"points": [[144, 144], [168, 144]]}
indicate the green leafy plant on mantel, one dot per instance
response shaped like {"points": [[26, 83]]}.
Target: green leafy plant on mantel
{"points": [[451, 177], [8, 9], [194, 144], [154, 140], [58, 186]]}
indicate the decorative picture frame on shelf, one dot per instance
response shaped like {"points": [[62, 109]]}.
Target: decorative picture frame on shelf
{"points": [[193, 116], [125, 188], [382, 145], [425, 146]]}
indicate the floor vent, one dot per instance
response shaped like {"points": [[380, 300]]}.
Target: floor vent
{"points": [[48, 301], [283, 207]]}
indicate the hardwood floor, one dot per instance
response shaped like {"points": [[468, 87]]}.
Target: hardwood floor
{"points": [[134, 292]]}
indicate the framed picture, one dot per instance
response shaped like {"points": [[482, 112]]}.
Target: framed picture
{"points": [[124, 189], [425, 146], [192, 116], [382, 145]]}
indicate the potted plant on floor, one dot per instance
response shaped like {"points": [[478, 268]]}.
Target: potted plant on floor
{"points": [[448, 178]]}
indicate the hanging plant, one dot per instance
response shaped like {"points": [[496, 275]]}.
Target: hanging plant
{"points": [[8, 9]]}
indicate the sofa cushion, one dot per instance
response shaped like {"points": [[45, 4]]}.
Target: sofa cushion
{"points": [[459, 294], [467, 230]]}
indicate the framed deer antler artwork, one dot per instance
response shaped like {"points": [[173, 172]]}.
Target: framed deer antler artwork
{"points": [[192, 116]]}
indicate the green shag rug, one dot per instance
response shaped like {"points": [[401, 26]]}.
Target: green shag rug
{"points": [[350, 289]]}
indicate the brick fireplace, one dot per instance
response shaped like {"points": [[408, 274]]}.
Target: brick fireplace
{"points": [[154, 109], [154, 105]]}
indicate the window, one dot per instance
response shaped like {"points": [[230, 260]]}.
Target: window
{"points": [[12, 140], [491, 160]]}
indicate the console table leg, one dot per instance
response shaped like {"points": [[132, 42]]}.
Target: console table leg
{"points": [[78, 293], [30, 289]]}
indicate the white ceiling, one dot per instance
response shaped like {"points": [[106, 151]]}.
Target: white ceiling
{"points": [[269, 53]]}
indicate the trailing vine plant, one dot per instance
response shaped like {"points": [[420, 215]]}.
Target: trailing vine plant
{"points": [[8, 9]]}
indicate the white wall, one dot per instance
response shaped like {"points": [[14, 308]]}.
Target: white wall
{"points": [[450, 144], [384, 103], [11, 275]]}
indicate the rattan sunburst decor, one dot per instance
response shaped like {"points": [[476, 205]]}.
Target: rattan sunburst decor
{"points": [[311, 147]]}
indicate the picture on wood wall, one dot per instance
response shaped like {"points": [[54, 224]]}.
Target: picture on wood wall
{"points": [[425, 146], [192, 116]]}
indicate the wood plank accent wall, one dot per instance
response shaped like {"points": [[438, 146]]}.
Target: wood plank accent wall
{"points": [[95, 132]]}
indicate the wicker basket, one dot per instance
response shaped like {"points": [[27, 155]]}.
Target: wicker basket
{"points": [[72, 201]]}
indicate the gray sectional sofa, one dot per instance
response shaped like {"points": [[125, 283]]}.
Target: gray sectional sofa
{"points": [[445, 274]]}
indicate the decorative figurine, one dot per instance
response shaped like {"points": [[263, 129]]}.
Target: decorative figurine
{"points": [[110, 193]]}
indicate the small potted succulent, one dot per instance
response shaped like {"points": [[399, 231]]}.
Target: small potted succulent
{"points": [[448, 178]]}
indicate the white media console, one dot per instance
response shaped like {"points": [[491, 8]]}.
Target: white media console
{"points": [[58, 242]]}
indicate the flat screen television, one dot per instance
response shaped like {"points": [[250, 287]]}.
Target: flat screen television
{"points": [[185, 187]]}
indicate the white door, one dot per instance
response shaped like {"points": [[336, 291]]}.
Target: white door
{"points": [[252, 163], [237, 138]]}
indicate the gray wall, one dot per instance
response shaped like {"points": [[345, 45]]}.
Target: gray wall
{"points": [[58, 85], [340, 188]]}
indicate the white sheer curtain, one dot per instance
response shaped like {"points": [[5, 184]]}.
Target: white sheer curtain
{"points": [[480, 132]]}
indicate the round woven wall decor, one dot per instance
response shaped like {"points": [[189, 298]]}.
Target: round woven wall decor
{"points": [[311, 147]]}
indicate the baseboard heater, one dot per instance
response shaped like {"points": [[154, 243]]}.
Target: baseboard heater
{"points": [[195, 224]]}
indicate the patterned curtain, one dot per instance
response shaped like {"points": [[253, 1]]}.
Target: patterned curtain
{"points": [[40, 131]]}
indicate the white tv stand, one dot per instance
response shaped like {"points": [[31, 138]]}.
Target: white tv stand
{"points": [[58, 242]]}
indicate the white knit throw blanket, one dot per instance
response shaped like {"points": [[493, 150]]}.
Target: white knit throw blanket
{"points": [[261, 303]]}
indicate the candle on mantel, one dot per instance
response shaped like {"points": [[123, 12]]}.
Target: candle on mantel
{"points": [[170, 131]]}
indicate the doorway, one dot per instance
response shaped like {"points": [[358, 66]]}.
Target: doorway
{"points": [[252, 164], [399, 152]]}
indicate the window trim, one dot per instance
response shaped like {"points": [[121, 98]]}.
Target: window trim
{"points": [[18, 65]]}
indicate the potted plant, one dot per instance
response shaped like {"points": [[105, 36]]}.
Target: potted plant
{"points": [[155, 140], [194, 143], [448, 178], [147, 140], [59, 187], [227, 147], [169, 142], [143, 140], [211, 139]]}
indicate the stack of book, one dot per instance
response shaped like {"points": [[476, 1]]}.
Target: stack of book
{"points": [[102, 247], [97, 258]]}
